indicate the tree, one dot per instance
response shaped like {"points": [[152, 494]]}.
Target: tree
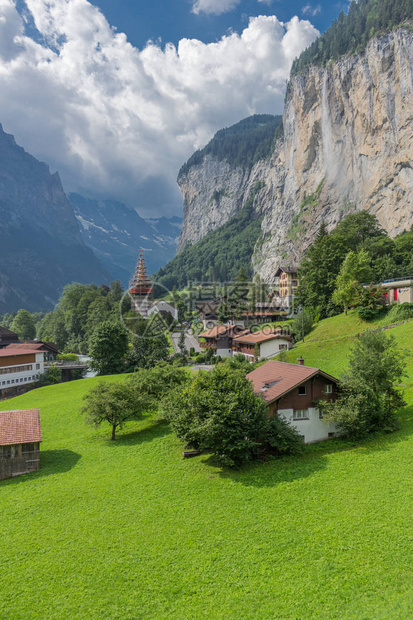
{"points": [[114, 403], [302, 324], [24, 326], [370, 394], [148, 343], [156, 382], [181, 342], [108, 348], [219, 412], [354, 269]]}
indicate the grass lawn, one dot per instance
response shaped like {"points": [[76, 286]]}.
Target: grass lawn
{"points": [[129, 530]]}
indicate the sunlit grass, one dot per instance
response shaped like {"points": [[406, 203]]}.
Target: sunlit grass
{"points": [[128, 529]]}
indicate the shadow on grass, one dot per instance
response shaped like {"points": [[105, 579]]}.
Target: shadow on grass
{"points": [[314, 459], [155, 430], [51, 462]]}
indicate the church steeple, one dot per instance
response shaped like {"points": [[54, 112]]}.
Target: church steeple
{"points": [[140, 286]]}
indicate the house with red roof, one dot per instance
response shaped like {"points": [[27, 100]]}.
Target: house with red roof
{"points": [[261, 344], [292, 391], [19, 365], [20, 438], [220, 338]]}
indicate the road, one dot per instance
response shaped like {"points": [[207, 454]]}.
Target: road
{"points": [[190, 341]]}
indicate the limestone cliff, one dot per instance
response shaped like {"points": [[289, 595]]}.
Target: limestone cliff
{"points": [[347, 145]]}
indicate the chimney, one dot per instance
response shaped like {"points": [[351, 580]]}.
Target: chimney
{"points": [[300, 361]]}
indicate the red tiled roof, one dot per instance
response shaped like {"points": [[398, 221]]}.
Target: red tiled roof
{"points": [[15, 349], [259, 337], [222, 331], [21, 426], [274, 379]]}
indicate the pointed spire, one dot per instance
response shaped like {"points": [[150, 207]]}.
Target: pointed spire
{"points": [[140, 286]]}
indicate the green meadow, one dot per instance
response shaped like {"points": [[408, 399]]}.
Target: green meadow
{"points": [[130, 530]]}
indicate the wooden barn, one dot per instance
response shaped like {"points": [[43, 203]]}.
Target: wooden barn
{"points": [[20, 437]]}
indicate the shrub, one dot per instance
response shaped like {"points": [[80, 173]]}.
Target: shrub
{"points": [[219, 412]]}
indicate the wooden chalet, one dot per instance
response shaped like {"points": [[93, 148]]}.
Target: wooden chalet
{"points": [[220, 339], [7, 337], [291, 391], [20, 438], [268, 342]]}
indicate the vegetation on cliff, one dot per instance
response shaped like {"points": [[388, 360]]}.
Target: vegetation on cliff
{"points": [[217, 257], [349, 34], [242, 144], [360, 232]]}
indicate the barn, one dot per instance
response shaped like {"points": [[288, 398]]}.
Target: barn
{"points": [[20, 438]]}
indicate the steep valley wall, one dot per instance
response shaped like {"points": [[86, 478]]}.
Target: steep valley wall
{"points": [[347, 145]]}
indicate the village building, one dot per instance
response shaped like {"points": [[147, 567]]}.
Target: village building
{"points": [[163, 308], [141, 288], [19, 366], [49, 349], [220, 338], [291, 391], [7, 337], [261, 344], [398, 290], [20, 438], [286, 288]]}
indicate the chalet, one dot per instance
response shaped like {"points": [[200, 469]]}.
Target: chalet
{"points": [[19, 365], [50, 350], [163, 308], [291, 391], [220, 339], [20, 438], [208, 312], [268, 342], [7, 337]]}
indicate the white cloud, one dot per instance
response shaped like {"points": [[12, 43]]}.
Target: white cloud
{"points": [[112, 118], [214, 7], [310, 10]]}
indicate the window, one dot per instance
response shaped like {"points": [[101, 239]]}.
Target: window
{"points": [[302, 390], [282, 346], [329, 388], [300, 414]]}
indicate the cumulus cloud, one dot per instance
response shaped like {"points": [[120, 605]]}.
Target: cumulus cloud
{"points": [[310, 10], [119, 121]]}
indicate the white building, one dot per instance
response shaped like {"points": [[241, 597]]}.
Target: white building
{"points": [[19, 366], [261, 345], [163, 307]]}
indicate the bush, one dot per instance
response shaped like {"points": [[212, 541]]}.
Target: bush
{"points": [[52, 376], [400, 312], [369, 395], [67, 357], [219, 412]]}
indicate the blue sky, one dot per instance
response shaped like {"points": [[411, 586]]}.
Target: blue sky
{"points": [[116, 96], [174, 20]]}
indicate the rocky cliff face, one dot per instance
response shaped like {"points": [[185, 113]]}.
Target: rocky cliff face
{"points": [[347, 145], [41, 249]]}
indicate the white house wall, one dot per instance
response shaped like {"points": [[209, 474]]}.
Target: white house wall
{"points": [[312, 429], [13, 379], [272, 347]]}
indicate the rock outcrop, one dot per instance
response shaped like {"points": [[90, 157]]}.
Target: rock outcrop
{"points": [[347, 146]]}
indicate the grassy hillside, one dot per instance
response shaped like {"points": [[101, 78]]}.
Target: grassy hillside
{"points": [[128, 530]]}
